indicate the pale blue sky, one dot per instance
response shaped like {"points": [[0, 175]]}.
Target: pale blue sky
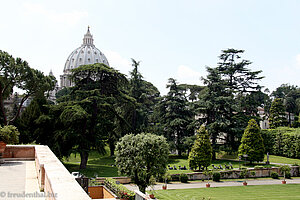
{"points": [[171, 38]]}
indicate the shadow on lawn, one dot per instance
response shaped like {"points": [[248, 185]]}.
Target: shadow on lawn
{"points": [[94, 170]]}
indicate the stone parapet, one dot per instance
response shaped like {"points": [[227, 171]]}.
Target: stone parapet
{"points": [[54, 179]]}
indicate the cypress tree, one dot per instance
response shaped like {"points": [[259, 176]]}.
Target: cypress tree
{"points": [[252, 143], [201, 153], [277, 114]]}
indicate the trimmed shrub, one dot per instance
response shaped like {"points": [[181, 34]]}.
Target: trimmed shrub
{"points": [[252, 143], [183, 178], [274, 175], [216, 176]]}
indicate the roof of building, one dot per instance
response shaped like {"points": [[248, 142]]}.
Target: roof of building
{"points": [[86, 54]]}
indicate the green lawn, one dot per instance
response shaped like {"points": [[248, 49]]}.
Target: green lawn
{"points": [[279, 159], [101, 165], [272, 158], [271, 192]]}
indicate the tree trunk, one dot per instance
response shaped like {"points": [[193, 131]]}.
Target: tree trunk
{"points": [[142, 188], [112, 148], [84, 158], [214, 157]]}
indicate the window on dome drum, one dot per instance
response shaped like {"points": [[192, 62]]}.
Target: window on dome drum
{"points": [[89, 59], [80, 59], [81, 51], [96, 60], [88, 52], [95, 53]]}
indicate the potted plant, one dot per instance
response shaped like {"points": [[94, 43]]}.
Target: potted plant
{"points": [[284, 169], [208, 173], [166, 177], [245, 174], [9, 134], [151, 184]]}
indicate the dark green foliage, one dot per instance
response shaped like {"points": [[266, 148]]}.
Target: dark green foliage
{"points": [[274, 175], [252, 143], [277, 114], [231, 97], [142, 156], [89, 115], [288, 175], [145, 95], [174, 116], [17, 73], [201, 153], [63, 92], [183, 178], [282, 141], [27, 123], [216, 176]]}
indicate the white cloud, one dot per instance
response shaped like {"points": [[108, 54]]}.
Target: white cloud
{"points": [[69, 18], [186, 74], [117, 61]]}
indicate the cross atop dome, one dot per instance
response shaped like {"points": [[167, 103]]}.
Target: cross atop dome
{"points": [[88, 38]]}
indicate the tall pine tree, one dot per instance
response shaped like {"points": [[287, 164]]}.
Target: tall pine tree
{"points": [[175, 116]]}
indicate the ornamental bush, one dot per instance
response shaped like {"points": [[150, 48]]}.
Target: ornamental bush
{"points": [[274, 175], [252, 143], [118, 189], [201, 153], [216, 176], [183, 178]]}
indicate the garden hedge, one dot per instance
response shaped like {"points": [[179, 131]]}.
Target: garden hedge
{"points": [[282, 141]]}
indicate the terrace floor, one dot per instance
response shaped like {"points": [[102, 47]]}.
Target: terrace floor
{"points": [[18, 180]]}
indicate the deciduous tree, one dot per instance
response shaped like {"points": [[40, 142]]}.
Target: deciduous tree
{"points": [[142, 156], [17, 73]]}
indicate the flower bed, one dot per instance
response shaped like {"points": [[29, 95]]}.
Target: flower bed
{"points": [[118, 189]]}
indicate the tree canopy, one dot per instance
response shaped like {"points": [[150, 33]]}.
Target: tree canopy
{"points": [[89, 115], [142, 156], [222, 106], [277, 114], [17, 73], [175, 116]]}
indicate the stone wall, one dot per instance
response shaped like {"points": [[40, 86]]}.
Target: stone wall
{"points": [[235, 174], [19, 151], [100, 192], [53, 178]]}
